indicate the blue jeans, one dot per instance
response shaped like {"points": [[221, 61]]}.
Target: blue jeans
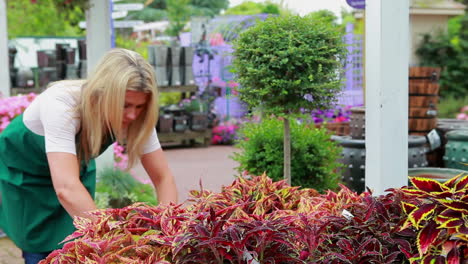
{"points": [[34, 258]]}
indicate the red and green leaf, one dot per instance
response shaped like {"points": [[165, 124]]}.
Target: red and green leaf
{"points": [[427, 237], [421, 214], [428, 185]]}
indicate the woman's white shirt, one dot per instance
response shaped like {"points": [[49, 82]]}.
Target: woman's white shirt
{"points": [[52, 115]]}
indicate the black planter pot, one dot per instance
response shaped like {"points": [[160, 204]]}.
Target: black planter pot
{"points": [[354, 159]]}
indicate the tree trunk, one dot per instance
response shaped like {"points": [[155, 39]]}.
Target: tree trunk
{"points": [[287, 151]]}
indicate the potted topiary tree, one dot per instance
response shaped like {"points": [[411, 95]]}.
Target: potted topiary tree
{"points": [[289, 65]]}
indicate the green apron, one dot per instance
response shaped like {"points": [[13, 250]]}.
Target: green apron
{"points": [[30, 213]]}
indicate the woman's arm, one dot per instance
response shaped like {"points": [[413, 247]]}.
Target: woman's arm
{"points": [[156, 166], [71, 193]]}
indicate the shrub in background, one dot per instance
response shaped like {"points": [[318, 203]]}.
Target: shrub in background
{"points": [[463, 115], [116, 188], [313, 155], [451, 106]]}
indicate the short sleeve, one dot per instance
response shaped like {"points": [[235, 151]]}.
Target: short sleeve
{"points": [[152, 144], [60, 122]]}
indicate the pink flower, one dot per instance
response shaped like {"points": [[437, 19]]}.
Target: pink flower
{"points": [[216, 39], [462, 116], [464, 109]]}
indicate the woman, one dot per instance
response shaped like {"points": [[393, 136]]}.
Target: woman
{"points": [[47, 168]]}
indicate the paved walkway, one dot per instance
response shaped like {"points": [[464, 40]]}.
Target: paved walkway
{"points": [[212, 166]]}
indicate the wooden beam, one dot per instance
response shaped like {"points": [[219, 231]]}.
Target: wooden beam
{"points": [[387, 50]]}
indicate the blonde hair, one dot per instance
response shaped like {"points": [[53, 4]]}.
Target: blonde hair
{"points": [[102, 102]]}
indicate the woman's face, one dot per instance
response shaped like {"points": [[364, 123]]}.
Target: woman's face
{"points": [[135, 102]]}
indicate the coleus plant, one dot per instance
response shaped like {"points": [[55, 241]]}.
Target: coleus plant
{"points": [[440, 215], [254, 220]]}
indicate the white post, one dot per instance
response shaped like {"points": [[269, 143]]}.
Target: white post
{"points": [[4, 65], [387, 50], [98, 42], [98, 32]]}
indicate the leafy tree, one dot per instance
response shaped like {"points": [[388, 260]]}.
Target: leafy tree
{"points": [[214, 5], [287, 65], [148, 14], [252, 8], [195, 8], [41, 19], [178, 12], [449, 51]]}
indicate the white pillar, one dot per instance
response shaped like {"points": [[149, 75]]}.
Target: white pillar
{"points": [[4, 66], [98, 42], [387, 50], [98, 32]]}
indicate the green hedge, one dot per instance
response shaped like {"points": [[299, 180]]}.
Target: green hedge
{"points": [[313, 155]]}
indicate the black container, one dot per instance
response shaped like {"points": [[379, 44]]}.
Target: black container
{"points": [[357, 122], [181, 123], [165, 123], [354, 159], [47, 75], [198, 121], [46, 58], [82, 49]]}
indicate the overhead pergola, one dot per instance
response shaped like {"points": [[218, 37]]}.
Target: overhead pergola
{"points": [[386, 75]]}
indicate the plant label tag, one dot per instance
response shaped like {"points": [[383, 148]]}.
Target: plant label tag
{"points": [[434, 139], [347, 214]]}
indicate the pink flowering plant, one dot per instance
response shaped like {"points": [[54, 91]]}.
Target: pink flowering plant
{"points": [[10, 107], [225, 133], [463, 115], [338, 114]]}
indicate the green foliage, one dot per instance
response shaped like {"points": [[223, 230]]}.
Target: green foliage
{"points": [[156, 10], [169, 98], [438, 214], [449, 107], [214, 6], [41, 19], [195, 104], [116, 188], [449, 51], [125, 42], [313, 155], [178, 13], [148, 14], [289, 63], [252, 8]]}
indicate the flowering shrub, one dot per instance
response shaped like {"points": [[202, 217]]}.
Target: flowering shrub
{"points": [[336, 115], [463, 115], [225, 133], [10, 107]]}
